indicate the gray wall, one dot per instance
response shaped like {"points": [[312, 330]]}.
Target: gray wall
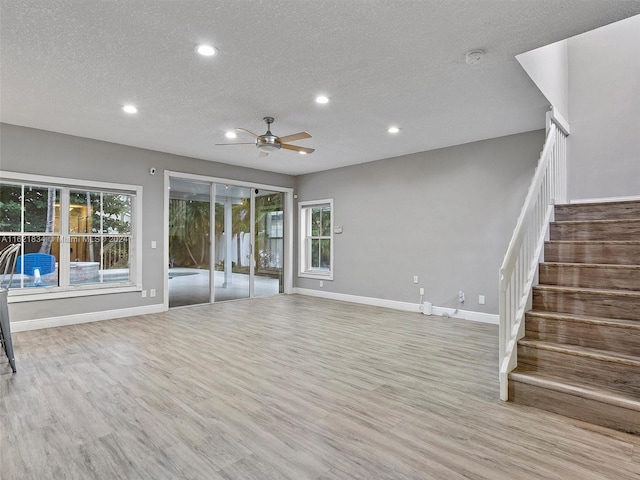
{"points": [[40, 152], [445, 215], [604, 106]]}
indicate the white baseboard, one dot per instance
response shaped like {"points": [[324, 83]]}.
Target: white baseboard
{"points": [[404, 306], [466, 315], [38, 323], [606, 199]]}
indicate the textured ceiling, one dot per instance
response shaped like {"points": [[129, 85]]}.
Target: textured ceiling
{"points": [[68, 66]]}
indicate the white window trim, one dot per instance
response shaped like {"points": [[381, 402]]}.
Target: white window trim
{"points": [[302, 241], [135, 268]]}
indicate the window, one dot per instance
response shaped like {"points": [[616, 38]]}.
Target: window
{"points": [[74, 236], [316, 239]]}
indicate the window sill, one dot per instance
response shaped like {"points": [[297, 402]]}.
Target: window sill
{"points": [[53, 293], [317, 276]]}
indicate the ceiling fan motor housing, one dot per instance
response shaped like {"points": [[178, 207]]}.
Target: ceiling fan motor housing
{"points": [[268, 142]]}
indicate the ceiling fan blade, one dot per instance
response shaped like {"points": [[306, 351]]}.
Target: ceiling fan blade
{"points": [[262, 154], [247, 143], [297, 148], [247, 131], [294, 137]]}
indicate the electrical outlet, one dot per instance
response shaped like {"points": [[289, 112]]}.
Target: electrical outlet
{"points": [[421, 291], [415, 279], [152, 292], [481, 300], [144, 294], [461, 296], [321, 284]]}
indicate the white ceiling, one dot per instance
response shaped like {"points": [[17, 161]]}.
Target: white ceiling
{"points": [[69, 65]]}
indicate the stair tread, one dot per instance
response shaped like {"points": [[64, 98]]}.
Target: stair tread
{"points": [[612, 322], [594, 265], [604, 291], [599, 204], [609, 221], [581, 389], [595, 242], [578, 350]]}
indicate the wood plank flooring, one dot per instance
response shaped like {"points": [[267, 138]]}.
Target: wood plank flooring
{"points": [[286, 387]]}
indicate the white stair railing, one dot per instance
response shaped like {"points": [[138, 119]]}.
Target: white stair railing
{"points": [[519, 268]]}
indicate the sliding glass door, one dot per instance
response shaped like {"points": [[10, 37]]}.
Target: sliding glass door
{"points": [[233, 245], [189, 242], [230, 248], [269, 243]]}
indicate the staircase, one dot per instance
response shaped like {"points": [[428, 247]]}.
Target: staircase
{"points": [[580, 356]]}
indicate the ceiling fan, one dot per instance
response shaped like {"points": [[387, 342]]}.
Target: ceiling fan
{"points": [[269, 142]]}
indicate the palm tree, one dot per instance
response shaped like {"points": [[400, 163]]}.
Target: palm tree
{"points": [[189, 223]]}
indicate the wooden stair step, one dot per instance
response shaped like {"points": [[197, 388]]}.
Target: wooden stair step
{"points": [[614, 371], [619, 252], [585, 352], [587, 319], [593, 332], [598, 406], [628, 229], [604, 395], [598, 211], [587, 301], [580, 356], [590, 275]]}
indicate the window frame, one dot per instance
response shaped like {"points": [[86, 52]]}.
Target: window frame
{"points": [[65, 289], [305, 237]]}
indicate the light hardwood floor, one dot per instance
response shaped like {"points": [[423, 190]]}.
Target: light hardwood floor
{"points": [[286, 387]]}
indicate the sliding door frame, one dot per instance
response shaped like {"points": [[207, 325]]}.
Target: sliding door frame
{"points": [[289, 234]]}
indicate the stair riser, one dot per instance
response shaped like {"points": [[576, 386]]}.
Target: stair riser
{"points": [[600, 276], [575, 368], [617, 254], [602, 337], [583, 409], [628, 230], [588, 303], [604, 211]]}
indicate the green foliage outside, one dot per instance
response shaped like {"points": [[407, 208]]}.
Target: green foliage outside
{"points": [[40, 212], [189, 225]]}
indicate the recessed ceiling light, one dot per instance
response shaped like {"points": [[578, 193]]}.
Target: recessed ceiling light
{"points": [[231, 134], [322, 99], [130, 109], [393, 130], [206, 50]]}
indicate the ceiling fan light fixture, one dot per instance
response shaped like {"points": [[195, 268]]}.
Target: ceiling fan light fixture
{"points": [[269, 147], [231, 134], [206, 50], [302, 153]]}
